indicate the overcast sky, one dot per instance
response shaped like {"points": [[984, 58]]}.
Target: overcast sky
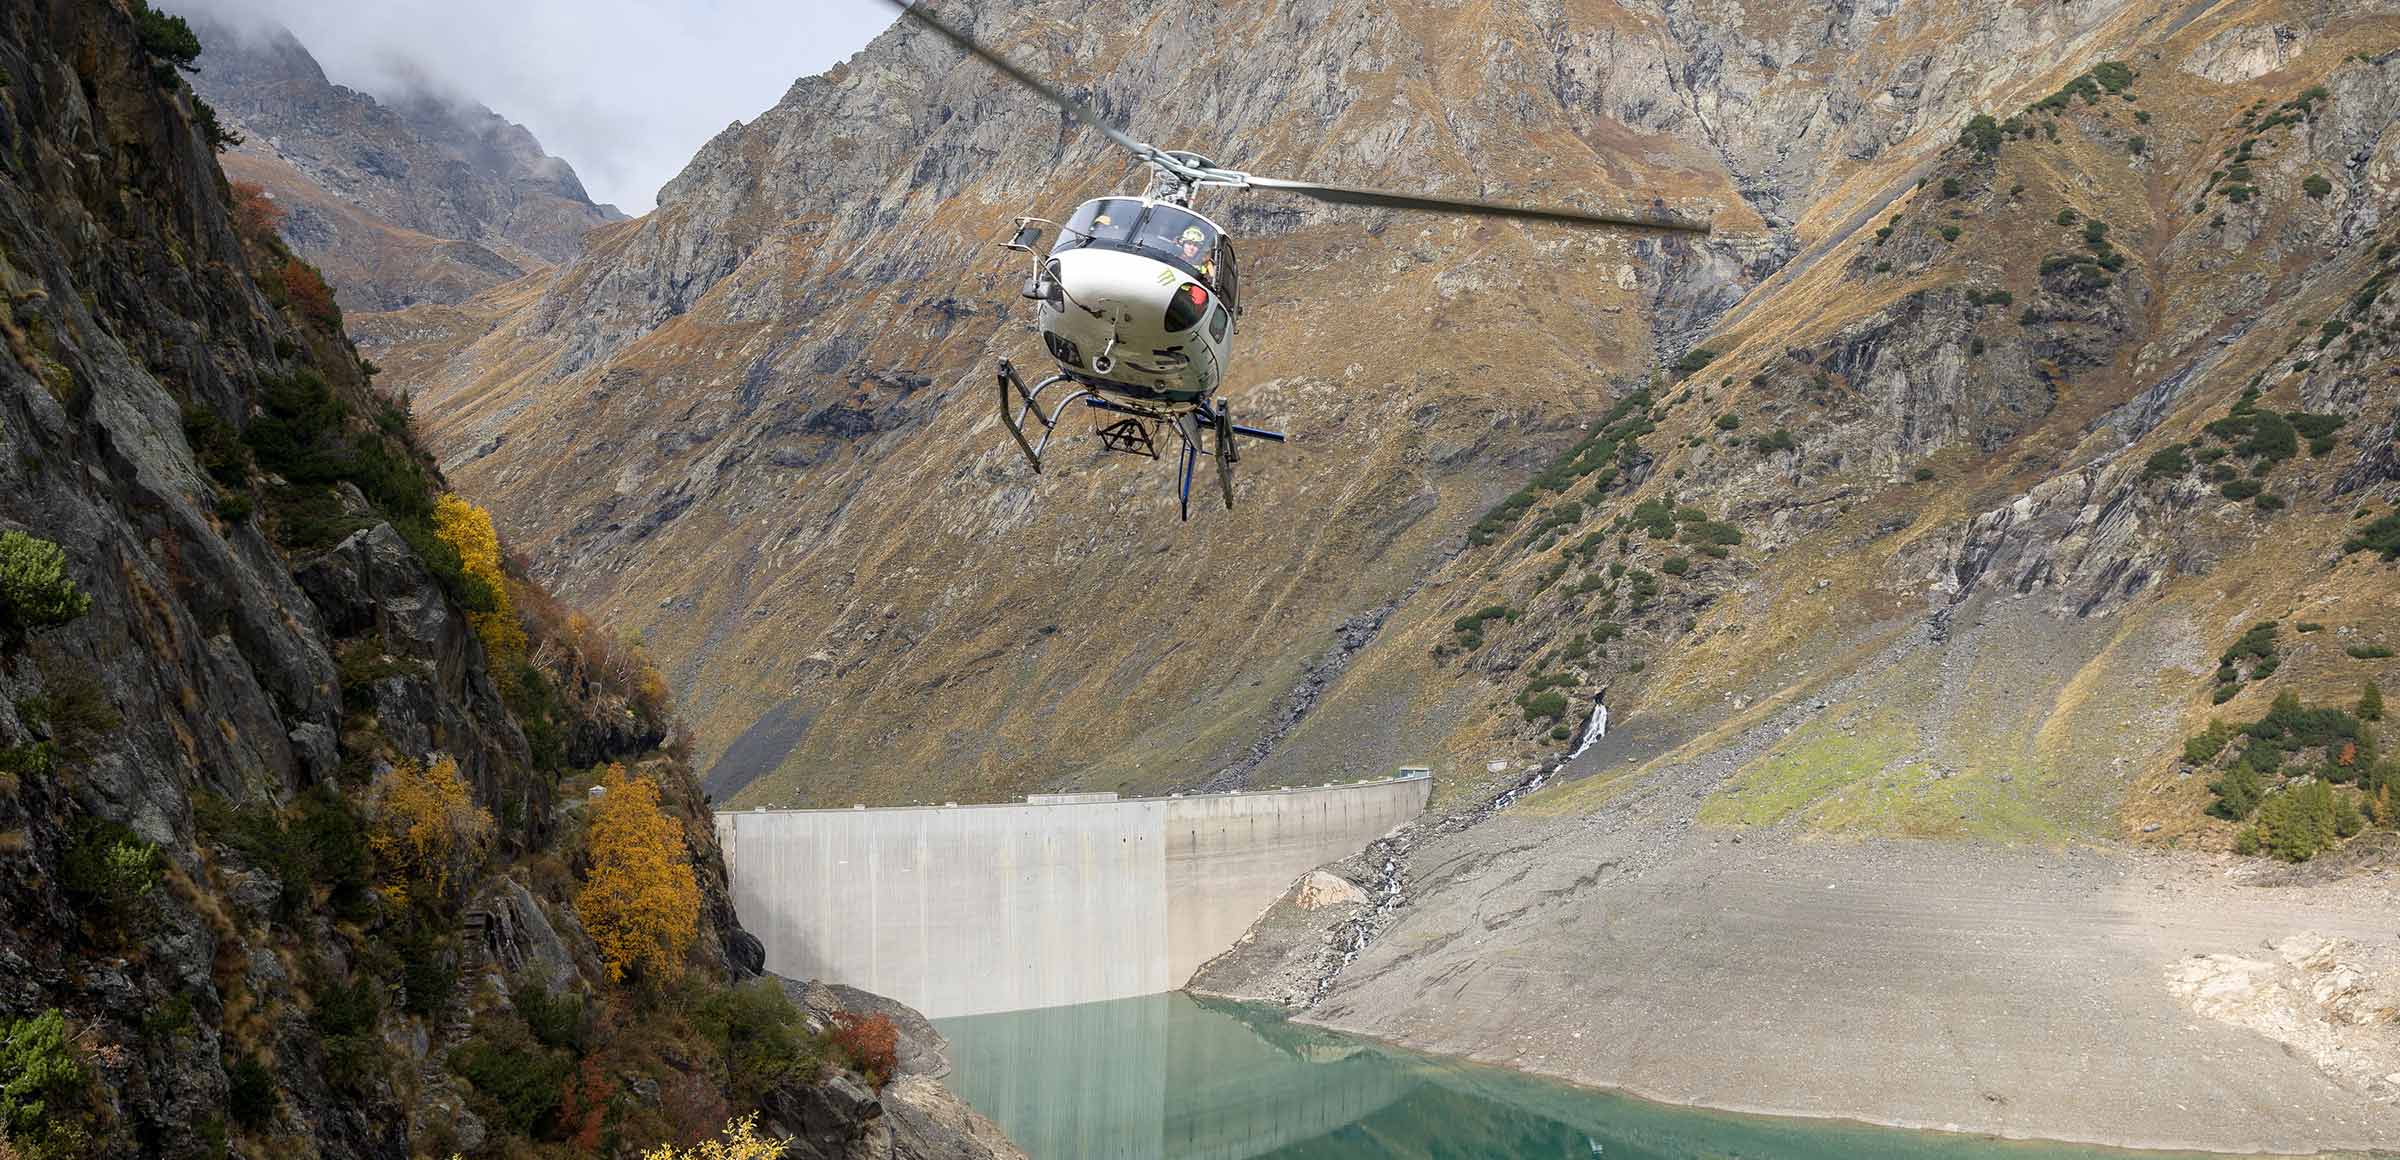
{"points": [[625, 90]]}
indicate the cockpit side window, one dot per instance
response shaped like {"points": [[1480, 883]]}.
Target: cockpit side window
{"points": [[1107, 220]]}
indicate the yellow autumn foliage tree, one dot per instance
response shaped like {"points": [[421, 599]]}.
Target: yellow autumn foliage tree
{"points": [[468, 530], [739, 1141], [640, 901], [424, 829]]}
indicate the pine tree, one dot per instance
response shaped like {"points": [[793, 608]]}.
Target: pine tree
{"points": [[2370, 703]]}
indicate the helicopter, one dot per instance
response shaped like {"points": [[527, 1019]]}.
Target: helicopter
{"points": [[1137, 296]]}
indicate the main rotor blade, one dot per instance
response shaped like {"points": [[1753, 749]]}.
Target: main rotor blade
{"points": [[1066, 104], [1347, 195]]}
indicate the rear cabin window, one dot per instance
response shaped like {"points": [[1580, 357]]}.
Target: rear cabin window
{"points": [[1185, 309]]}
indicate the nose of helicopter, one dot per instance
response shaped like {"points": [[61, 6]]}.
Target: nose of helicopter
{"points": [[1114, 316]]}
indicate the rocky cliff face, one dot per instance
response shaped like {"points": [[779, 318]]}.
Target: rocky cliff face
{"points": [[1898, 427], [776, 464], [420, 199], [290, 855]]}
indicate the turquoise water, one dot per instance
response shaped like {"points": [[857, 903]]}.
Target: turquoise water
{"points": [[1167, 1077]]}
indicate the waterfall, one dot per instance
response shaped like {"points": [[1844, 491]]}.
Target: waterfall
{"points": [[1593, 731]]}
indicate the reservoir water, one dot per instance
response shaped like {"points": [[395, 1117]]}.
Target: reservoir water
{"points": [[1167, 1077]]}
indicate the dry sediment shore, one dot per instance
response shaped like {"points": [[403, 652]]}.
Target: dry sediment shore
{"points": [[2012, 991]]}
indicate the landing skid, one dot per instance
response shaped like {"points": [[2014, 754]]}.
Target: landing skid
{"points": [[1201, 427]]}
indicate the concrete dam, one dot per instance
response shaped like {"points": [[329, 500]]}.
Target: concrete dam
{"points": [[1062, 899]]}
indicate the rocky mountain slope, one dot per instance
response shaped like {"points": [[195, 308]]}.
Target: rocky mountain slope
{"points": [[1867, 498], [424, 198], [322, 833], [777, 466]]}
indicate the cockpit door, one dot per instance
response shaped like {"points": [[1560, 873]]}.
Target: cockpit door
{"points": [[1228, 287]]}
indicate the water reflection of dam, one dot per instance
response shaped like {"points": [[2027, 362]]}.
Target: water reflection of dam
{"points": [[1157, 1077], [970, 909]]}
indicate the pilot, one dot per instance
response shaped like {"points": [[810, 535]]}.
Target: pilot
{"points": [[1192, 243]]}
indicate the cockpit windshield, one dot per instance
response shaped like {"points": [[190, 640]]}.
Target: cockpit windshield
{"points": [[1107, 220], [1180, 236]]}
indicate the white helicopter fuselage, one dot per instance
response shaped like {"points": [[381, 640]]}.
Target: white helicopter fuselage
{"points": [[1114, 314], [1126, 321]]}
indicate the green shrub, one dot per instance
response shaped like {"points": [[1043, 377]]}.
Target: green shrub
{"points": [[1924, 474], [1949, 233], [2167, 461], [44, 1088], [344, 1020], [2315, 185], [1981, 137], [2137, 144], [35, 590], [1655, 516], [2224, 693], [2242, 489], [2306, 627], [2237, 793], [2314, 426], [319, 841], [1560, 733], [761, 1036], [1694, 360], [1472, 623], [428, 973], [2068, 216], [2256, 643], [2114, 75], [109, 873], [250, 1093], [2267, 502], [1775, 441], [1714, 532], [216, 447], [1545, 706], [521, 1078], [1729, 421], [2381, 537], [1949, 187], [1675, 566], [2204, 747]]}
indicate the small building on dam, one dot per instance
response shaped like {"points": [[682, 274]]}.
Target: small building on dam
{"points": [[1071, 898]]}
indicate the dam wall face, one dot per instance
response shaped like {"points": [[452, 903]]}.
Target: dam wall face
{"points": [[964, 910]]}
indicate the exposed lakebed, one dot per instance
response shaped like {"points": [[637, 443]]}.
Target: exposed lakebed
{"points": [[1167, 1077]]}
